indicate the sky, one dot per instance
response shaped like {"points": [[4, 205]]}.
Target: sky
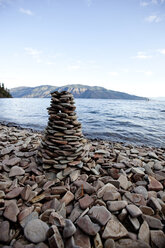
{"points": [[116, 44]]}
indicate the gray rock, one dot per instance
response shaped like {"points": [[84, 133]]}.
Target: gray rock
{"points": [[153, 203], [69, 229], [81, 239], [36, 231], [16, 171], [144, 233], [133, 210], [114, 229], [153, 222], [129, 243], [157, 239], [11, 212], [109, 243], [88, 226], [116, 205], [141, 190], [4, 231], [99, 214]]}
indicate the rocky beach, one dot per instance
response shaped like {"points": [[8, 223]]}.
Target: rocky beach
{"points": [[59, 189], [116, 199]]}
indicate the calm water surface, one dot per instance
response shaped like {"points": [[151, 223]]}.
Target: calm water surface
{"points": [[136, 122]]}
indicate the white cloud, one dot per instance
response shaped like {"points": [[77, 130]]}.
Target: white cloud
{"points": [[153, 18], [113, 73], [148, 73], [26, 11], [142, 55], [73, 67], [144, 4], [162, 51], [33, 52]]}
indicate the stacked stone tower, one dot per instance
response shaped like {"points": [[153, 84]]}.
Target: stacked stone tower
{"points": [[63, 143]]}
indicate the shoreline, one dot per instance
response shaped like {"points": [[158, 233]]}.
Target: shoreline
{"points": [[116, 197], [19, 127]]}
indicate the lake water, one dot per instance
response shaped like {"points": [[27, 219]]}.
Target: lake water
{"points": [[135, 122]]}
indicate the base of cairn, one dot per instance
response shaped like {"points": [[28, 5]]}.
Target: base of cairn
{"points": [[63, 144]]}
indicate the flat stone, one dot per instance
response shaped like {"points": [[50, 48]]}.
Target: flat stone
{"points": [[109, 243], [144, 233], [86, 201], [116, 205], [11, 212], [137, 199], [147, 210], [36, 231], [99, 214], [53, 218], [16, 171], [134, 222], [68, 197], [88, 226], [5, 185], [129, 243], [26, 192], [154, 184], [154, 203], [141, 190], [14, 193], [152, 155], [55, 240], [69, 229], [133, 210], [114, 229], [29, 215], [75, 214], [157, 238], [123, 182], [13, 161], [138, 171], [89, 189], [111, 195], [4, 231], [153, 222], [106, 188], [81, 239]]}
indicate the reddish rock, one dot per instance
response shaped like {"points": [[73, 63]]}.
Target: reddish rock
{"points": [[4, 231], [16, 171], [81, 239], [86, 201], [11, 212], [68, 197], [154, 184], [26, 192], [14, 193], [13, 161], [89, 189]]}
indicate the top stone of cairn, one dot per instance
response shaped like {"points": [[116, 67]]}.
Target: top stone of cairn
{"points": [[63, 143]]}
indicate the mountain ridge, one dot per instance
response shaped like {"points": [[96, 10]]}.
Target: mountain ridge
{"points": [[78, 91]]}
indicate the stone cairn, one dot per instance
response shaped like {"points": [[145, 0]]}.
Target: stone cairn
{"points": [[63, 144]]}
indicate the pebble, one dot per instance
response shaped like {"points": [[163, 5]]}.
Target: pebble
{"points": [[99, 214], [36, 231], [114, 229], [87, 226], [69, 229], [133, 210]]}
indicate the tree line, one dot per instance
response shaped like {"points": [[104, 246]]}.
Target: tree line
{"points": [[4, 92]]}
